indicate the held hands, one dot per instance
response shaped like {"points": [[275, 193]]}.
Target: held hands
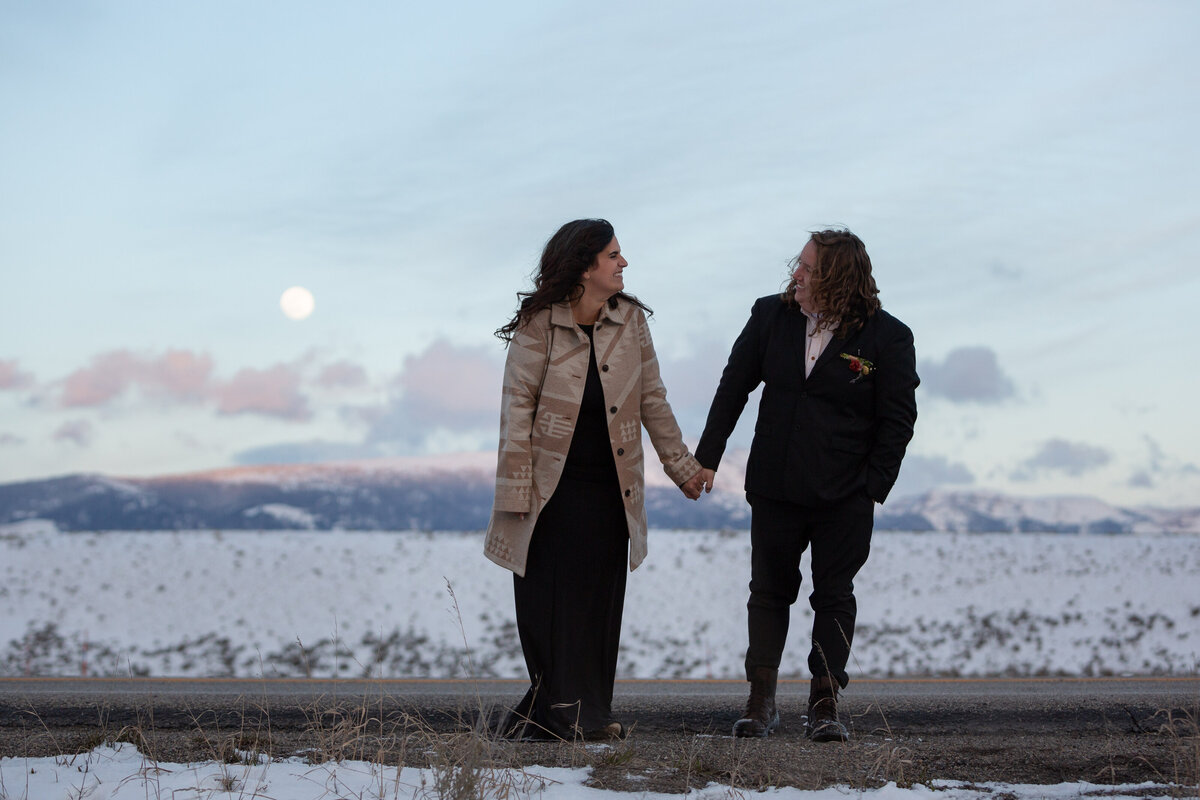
{"points": [[691, 487], [701, 481]]}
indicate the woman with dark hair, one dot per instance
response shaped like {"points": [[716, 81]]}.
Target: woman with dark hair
{"points": [[836, 415], [580, 381]]}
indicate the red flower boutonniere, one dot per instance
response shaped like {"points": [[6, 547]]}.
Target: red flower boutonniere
{"points": [[858, 365]]}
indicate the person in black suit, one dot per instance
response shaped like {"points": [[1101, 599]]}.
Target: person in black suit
{"points": [[836, 415]]}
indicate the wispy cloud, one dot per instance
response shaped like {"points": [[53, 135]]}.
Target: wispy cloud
{"points": [[306, 453], [1159, 466], [967, 375], [77, 432], [341, 375], [692, 380], [12, 376], [175, 376], [272, 392], [185, 377], [921, 473], [1061, 456], [444, 387], [1141, 479], [444, 394]]}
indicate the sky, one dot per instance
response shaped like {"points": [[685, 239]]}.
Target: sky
{"points": [[1023, 175]]}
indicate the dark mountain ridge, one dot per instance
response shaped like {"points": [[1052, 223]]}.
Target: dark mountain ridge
{"points": [[454, 493]]}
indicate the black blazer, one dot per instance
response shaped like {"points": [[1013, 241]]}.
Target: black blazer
{"points": [[820, 439]]}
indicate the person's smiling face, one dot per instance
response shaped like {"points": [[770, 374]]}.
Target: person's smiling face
{"points": [[604, 278], [802, 275]]}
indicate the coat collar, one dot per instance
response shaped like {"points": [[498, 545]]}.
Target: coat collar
{"points": [[560, 314]]}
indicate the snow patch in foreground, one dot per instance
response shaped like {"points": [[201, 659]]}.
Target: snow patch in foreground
{"points": [[120, 771]]}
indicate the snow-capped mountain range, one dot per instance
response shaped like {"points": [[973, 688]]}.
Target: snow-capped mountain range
{"points": [[454, 492]]}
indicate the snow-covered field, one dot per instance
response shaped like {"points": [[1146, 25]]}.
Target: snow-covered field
{"points": [[109, 773], [380, 604]]}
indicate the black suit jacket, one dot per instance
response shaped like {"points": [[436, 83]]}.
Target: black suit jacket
{"points": [[820, 439]]}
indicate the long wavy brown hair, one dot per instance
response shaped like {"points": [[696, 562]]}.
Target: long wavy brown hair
{"points": [[840, 283], [571, 251]]}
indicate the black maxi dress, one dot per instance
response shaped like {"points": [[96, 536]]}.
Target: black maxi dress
{"points": [[569, 603]]}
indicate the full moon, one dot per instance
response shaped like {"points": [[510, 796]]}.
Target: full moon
{"points": [[297, 302]]}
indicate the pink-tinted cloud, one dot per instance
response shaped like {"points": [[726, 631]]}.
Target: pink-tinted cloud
{"points": [[272, 392], [10, 440], [445, 387], [12, 377], [184, 376], [342, 375], [179, 375], [77, 432], [109, 375], [447, 383]]}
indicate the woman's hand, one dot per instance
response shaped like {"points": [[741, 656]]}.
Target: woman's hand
{"points": [[693, 485]]}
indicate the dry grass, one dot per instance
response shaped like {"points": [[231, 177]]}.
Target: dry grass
{"points": [[1184, 728], [461, 758]]}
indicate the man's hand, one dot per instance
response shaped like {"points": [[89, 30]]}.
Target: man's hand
{"points": [[692, 486], [708, 478]]}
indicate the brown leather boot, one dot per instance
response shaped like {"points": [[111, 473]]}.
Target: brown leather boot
{"points": [[822, 723], [760, 717]]}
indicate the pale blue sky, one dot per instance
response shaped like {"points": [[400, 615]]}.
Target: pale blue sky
{"points": [[1023, 175]]}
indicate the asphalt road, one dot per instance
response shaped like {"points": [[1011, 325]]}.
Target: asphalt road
{"points": [[695, 705]]}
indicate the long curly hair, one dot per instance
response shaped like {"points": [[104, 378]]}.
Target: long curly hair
{"points": [[569, 253], [840, 283]]}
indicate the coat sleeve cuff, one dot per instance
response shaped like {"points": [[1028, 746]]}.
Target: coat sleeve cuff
{"points": [[682, 469]]}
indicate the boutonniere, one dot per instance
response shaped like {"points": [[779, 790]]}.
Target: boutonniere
{"points": [[858, 365]]}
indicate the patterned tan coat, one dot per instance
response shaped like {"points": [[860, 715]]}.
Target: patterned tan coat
{"points": [[535, 437]]}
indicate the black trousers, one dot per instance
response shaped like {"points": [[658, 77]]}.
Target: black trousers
{"points": [[840, 540]]}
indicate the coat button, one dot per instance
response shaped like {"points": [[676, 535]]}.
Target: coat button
{"points": [[604, 368], [613, 409], [627, 493], [620, 451]]}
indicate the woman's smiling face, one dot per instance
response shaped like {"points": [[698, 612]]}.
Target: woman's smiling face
{"points": [[604, 277]]}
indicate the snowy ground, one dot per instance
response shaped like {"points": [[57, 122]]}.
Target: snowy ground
{"points": [[293, 603], [121, 772]]}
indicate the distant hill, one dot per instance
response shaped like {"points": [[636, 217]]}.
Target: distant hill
{"points": [[987, 512], [455, 493]]}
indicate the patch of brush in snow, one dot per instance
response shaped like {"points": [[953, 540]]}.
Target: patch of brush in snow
{"points": [[376, 604]]}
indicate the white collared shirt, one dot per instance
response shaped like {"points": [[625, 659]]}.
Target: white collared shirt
{"points": [[816, 339]]}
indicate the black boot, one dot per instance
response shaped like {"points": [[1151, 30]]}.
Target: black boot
{"points": [[761, 717], [822, 723]]}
